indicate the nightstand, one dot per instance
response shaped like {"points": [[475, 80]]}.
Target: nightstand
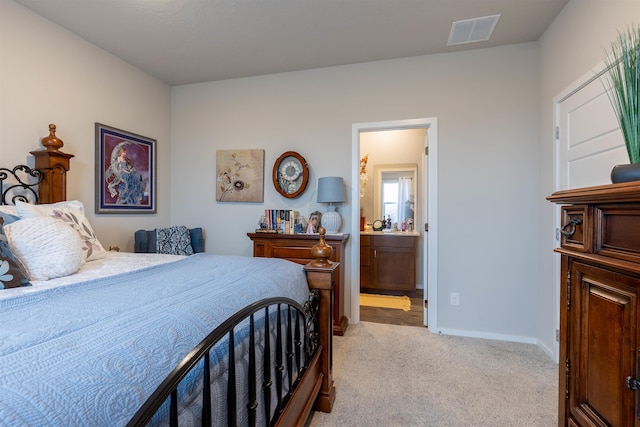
{"points": [[297, 248]]}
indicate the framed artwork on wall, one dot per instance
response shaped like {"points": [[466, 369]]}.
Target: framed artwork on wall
{"points": [[125, 172], [240, 175]]}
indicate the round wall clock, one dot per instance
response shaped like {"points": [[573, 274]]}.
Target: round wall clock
{"points": [[290, 174]]}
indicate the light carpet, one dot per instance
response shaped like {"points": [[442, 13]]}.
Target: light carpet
{"points": [[386, 301], [389, 375]]}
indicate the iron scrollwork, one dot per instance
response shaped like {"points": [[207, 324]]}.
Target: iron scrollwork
{"points": [[19, 184], [311, 322]]}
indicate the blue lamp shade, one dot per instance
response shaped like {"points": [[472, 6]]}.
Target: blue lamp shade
{"points": [[331, 190]]}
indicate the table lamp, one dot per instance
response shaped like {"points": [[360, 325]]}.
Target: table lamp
{"points": [[331, 190]]}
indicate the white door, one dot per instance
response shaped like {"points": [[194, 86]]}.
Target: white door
{"points": [[588, 145], [589, 139]]}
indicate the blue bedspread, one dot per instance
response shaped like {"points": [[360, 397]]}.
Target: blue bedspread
{"points": [[91, 353]]}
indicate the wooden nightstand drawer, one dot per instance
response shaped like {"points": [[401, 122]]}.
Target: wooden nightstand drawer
{"points": [[575, 232], [617, 231]]}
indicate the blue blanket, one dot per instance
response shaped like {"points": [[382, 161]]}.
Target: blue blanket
{"points": [[91, 353]]}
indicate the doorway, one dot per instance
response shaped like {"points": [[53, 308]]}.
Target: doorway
{"points": [[426, 206]]}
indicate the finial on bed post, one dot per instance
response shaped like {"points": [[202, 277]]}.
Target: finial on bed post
{"points": [[321, 251], [54, 165], [52, 142]]}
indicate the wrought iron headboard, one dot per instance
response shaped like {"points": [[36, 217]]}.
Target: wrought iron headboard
{"points": [[19, 183]]}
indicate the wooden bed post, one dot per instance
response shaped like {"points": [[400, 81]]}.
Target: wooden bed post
{"points": [[321, 275], [54, 165]]}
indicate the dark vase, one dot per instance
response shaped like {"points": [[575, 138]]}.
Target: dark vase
{"points": [[625, 173]]}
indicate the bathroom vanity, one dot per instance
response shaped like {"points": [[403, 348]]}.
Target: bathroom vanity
{"points": [[388, 260]]}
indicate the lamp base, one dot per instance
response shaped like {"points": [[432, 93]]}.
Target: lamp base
{"points": [[331, 220]]}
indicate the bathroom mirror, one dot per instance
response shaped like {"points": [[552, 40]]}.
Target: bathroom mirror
{"points": [[395, 192]]}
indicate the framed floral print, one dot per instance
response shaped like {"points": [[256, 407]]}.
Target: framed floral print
{"points": [[240, 175], [125, 171]]}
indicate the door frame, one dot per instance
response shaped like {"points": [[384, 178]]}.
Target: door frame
{"points": [[430, 210]]}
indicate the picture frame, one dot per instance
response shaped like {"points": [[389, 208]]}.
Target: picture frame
{"points": [[240, 175], [125, 167]]}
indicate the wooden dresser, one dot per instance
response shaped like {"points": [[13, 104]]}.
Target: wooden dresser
{"points": [[600, 284], [388, 261], [297, 248]]}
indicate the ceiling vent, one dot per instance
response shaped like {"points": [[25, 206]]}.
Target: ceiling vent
{"points": [[472, 30]]}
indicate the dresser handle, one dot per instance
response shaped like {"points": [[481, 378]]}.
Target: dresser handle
{"points": [[570, 228]]}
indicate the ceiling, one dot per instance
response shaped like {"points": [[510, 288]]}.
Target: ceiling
{"points": [[192, 41]]}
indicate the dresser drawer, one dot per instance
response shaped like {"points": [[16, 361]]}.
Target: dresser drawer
{"points": [[617, 231], [575, 230]]}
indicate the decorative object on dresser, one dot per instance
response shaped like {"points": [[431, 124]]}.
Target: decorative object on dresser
{"points": [[240, 175], [331, 190], [296, 248], [388, 261], [290, 174], [622, 81], [599, 378], [125, 171], [315, 221], [280, 221]]}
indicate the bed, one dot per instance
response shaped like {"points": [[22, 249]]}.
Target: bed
{"points": [[150, 339]]}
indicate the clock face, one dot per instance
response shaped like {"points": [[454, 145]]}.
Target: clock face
{"points": [[290, 174]]}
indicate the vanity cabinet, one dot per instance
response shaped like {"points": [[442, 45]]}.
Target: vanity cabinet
{"points": [[388, 261], [599, 288]]}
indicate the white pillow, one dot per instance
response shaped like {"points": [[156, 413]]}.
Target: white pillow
{"points": [[72, 213], [46, 248], [9, 209]]}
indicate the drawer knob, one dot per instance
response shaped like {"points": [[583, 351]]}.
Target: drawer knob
{"points": [[570, 228]]}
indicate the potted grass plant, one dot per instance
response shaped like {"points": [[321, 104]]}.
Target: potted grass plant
{"points": [[623, 88]]}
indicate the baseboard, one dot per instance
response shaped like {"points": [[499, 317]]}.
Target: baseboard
{"points": [[549, 352], [486, 335]]}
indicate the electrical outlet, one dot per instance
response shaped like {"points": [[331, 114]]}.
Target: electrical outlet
{"points": [[455, 298]]}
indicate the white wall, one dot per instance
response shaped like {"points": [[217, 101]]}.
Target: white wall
{"points": [[486, 102], [49, 75], [570, 47]]}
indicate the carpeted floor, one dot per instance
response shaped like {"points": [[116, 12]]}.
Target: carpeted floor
{"points": [[388, 375]]}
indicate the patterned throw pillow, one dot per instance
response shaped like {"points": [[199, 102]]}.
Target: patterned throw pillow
{"points": [[11, 276], [174, 240], [72, 213]]}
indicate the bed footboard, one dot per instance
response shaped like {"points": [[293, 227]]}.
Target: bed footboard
{"points": [[295, 376]]}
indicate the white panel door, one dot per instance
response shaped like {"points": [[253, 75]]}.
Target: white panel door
{"points": [[590, 143]]}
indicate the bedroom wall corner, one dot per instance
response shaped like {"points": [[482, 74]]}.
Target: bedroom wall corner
{"points": [[49, 75]]}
